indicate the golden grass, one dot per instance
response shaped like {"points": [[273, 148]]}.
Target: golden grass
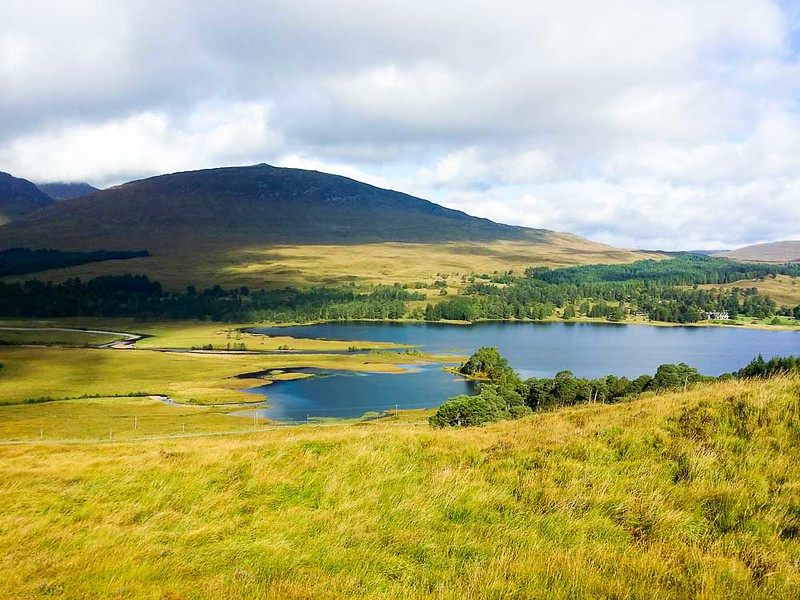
{"points": [[671, 496], [279, 266], [59, 373], [111, 419], [783, 289], [225, 337]]}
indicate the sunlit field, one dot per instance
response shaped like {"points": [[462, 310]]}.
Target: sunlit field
{"points": [[672, 496]]}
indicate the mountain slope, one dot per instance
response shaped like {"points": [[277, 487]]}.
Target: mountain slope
{"points": [[263, 225], [260, 203], [66, 191], [784, 251], [19, 197]]}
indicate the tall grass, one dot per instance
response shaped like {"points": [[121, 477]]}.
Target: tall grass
{"points": [[671, 496]]}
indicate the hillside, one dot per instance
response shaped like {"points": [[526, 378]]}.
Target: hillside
{"points": [[785, 251], [19, 197], [66, 191], [263, 225], [678, 495]]}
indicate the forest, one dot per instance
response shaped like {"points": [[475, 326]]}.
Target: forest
{"points": [[657, 290], [20, 261]]}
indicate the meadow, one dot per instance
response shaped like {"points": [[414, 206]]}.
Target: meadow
{"points": [[693, 494], [782, 288], [232, 263], [31, 375], [53, 337]]}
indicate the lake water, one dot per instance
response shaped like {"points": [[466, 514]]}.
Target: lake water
{"points": [[533, 349]]}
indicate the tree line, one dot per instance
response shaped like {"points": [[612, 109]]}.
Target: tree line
{"points": [[20, 261], [503, 395], [139, 297], [661, 290], [634, 289]]}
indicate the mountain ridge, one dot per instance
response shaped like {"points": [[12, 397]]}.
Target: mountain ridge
{"points": [[780, 251], [19, 197], [66, 190], [247, 224]]}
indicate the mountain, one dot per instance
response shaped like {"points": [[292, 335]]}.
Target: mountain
{"points": [[66, 190], [782, 252], [264, 225], [263, 204], [19, 197]]}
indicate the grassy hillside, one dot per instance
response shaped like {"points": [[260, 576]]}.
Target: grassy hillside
{"points": [[672, 496], [784, 290], [19, 197], [786, 251], [267, 226]]}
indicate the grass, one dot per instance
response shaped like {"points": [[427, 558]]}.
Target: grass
{"points": [[205, 263], [671, 496], [783, 289], [54, 337], [223, 336], [111, 419], [184, 335], [62, 373]]}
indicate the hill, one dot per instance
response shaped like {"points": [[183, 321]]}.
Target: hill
{"points": [[66, 191], [18, 197], [784, 251], [264, 225], [677, 495]]}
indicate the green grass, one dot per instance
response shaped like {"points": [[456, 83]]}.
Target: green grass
{"points": [[225, 337], [671, 496], [204, 263], [53, 337], [783, 289], [111, 419], [63, 373]]}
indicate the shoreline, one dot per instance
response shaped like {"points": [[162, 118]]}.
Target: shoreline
{"points": [[553, 319]]}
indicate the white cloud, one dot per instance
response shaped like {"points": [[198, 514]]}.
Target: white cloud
{"points": [[571, 115], [146, 143]]}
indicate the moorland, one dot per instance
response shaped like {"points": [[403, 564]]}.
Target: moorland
{"points": [[123, 473]]}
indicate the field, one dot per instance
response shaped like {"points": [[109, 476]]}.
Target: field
{"points": [[226, 337], [30, 374], [112, 418], [671, 496], [53, 337], [783, 289], [206, 263]]}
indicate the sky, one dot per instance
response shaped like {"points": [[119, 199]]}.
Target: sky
{"points": [[657, 124]]}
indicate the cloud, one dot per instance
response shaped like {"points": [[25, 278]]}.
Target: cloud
{"points": [[144, 144], [569, 115]]}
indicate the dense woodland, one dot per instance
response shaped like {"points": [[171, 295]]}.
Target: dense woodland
{"points": [[20, 261], [659, 290], [137, 296], [503, 395]]}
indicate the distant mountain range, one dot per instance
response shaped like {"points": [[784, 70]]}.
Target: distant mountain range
{"points": [[18, 197], [246, 224], [66, 190], [782, 252]]}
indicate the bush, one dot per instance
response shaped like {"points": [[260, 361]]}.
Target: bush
{"points": [[466, 411]]}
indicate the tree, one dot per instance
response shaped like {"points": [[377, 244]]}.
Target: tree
{"points": [[486, 362], [466, 411], [674, 377]]}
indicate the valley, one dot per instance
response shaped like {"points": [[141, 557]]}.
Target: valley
{"points": [[198, 386]]}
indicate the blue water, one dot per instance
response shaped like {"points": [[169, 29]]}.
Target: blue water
{"points": [[533, 349]]}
